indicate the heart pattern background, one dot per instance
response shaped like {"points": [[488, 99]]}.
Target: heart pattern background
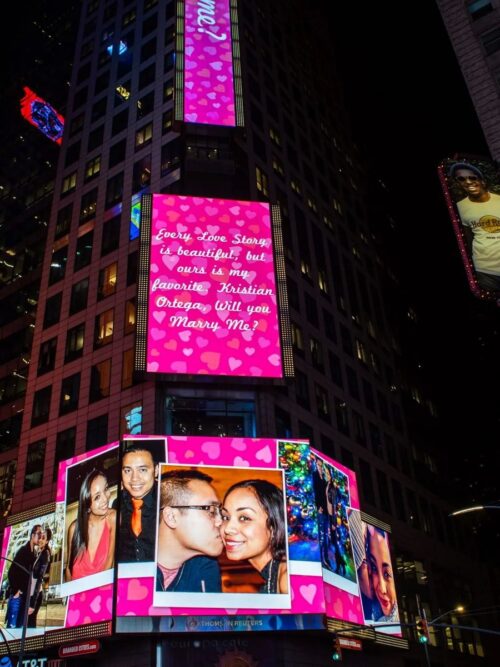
{"points": [[193, 327], [208, 67]]}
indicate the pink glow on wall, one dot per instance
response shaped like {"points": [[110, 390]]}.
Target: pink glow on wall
{"points": [[212, 289], [208, 63]]}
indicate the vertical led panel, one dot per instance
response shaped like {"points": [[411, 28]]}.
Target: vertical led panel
{"points": [[208, 72], [209, 270]]}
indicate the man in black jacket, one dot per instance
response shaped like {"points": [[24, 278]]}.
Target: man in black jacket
{"points": [[138, 506], [20, 578]]}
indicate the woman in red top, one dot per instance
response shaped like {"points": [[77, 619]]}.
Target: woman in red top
{"points": [[91, 536]]}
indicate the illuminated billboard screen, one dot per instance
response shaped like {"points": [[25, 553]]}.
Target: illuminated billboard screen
{"points": [[39, 113], [210, 280], [235, 543], [355, 556], [35, 542], [208, 73], [472, 191]]}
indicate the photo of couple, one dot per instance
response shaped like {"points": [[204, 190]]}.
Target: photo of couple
{"points": [[90, 520], [221, 530]]}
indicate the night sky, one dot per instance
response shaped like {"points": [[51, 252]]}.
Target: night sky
{"points": [[406, 124]]}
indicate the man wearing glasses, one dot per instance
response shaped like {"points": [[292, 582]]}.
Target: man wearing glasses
{"points": [[480, 215], [189, 539], [19, 577]]}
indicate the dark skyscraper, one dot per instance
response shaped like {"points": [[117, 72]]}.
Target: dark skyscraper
{"points": [[352, 395]]}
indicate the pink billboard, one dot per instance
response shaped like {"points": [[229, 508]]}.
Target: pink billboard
{"points": [[231, 551], [212, 289], [206, 80]]}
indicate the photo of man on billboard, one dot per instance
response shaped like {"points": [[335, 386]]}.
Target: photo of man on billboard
{"points": [[475, 189], [221, 530], [140, 458]]}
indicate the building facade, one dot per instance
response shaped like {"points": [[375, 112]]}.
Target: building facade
{"points": [[349, 396]]}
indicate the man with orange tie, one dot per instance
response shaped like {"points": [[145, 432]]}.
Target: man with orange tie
{"points": [[138, 505]]}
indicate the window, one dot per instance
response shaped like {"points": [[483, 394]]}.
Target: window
{"points": [[358, 428], [145, 105], [376, 440], [7, 480], [148, 50], [101, 83], [80, 97], [368, 395], [65, 448], [73, 153], [144, 135], [33, 475], [114, 190], [47, 357], [261, 181], [96, 138], [150, 23], [170, 156], [70, 392], [41, 406], [58, 265], [361, 351], [367, 482], [352, 383], [76, 124], [83, 253], [142, 173], [132, 268], [52, 310], [128, 368], [79, 296], [283, 423], [103, 332], [74, 342], [316, 354], [88, 206], [63, 221], [167, 121], [479, 8], [146, 76], [99, 109], [301, 389], [117, 153], [342, 416], [335, 369], [130, 316], [68, 184], [383, 491], [311, 310], [322, 403], [399, 503], [120, 122], [297, 339], [92, 168], [100, 379], [97, 432], [217, 417], [107, 281], [110, 235]]}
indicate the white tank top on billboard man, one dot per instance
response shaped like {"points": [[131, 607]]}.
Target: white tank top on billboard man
{"points": [[479, 213]]}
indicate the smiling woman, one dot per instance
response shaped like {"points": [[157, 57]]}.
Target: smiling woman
{"points": [[253, 529]]}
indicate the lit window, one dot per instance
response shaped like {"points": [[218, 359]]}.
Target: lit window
{"points": [[130, 316], [104, 328], [277, 166], [92, 168], [274, 136], [295, 185], [337, 206], [107, 281], [69, 183], [323, 281], [144, 135], [261, 181], [297, 339], [361, 351]]}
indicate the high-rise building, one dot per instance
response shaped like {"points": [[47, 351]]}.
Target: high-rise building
{"points": [[474, 31], [348, 396]]}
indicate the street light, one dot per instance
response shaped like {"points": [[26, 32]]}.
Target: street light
{"points": [[459, 609], [475, 508], [29, 572]]}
